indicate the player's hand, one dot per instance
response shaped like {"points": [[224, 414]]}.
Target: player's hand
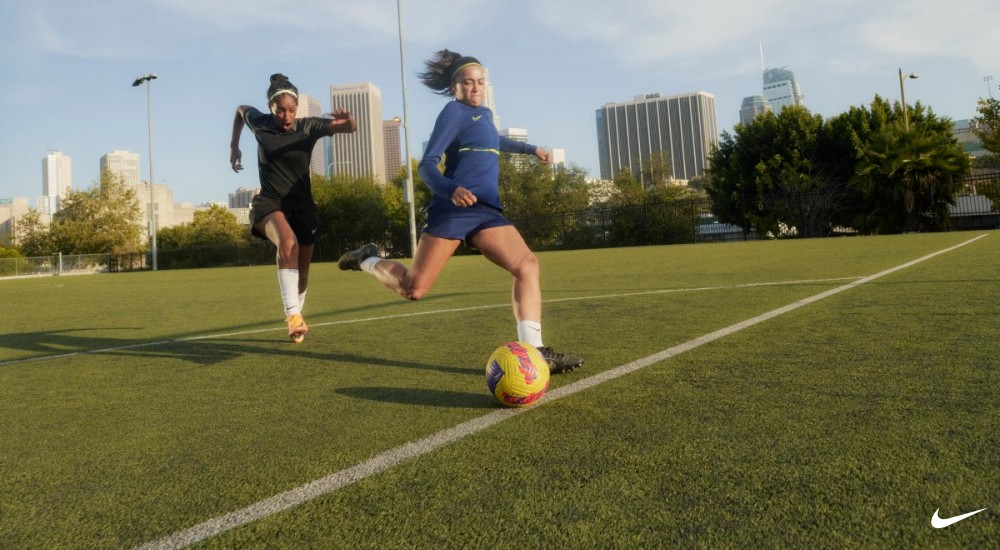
{"points": [[342, 121], [462, 197], [543, 155], [236, 159]]}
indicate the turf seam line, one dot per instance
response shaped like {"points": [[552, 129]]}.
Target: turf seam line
{"points": [[416, 314], [397, 455]]}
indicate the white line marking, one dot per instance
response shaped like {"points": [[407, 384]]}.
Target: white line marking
{"points": [[392, 457], [414, 314]]}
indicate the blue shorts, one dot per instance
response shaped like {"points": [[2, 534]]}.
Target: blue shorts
{"points": [[447, 221]]}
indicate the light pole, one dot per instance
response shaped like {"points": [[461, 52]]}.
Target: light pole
{"points": [[330, 166], [987, 80], [149, 125], [406, 133], [902, 97]]}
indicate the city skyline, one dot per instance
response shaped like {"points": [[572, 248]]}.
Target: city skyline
{"points": [[361, 152], [67, 76], [631, 133]]}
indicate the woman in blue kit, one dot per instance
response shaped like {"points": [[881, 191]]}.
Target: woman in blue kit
{"points": [[466, 205], [284, 211]]}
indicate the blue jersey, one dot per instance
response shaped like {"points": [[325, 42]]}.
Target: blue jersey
{"points": [[471, 145]]}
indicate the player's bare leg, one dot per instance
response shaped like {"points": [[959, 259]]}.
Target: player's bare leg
{"points": [[505, 247], [275, 227], [411, 282]]}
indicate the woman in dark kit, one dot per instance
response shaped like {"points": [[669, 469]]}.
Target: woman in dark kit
{"points": [[284, 212], [466, 205]]}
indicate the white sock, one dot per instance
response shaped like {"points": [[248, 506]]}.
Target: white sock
{"points": [[530, 332], [368, 264], [288, 281], [302, 301]]}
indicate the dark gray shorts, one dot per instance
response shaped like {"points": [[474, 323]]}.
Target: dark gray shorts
{"points": [[301, 216]]}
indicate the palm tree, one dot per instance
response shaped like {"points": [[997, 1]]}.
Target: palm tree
{"points": [[909, 173]]}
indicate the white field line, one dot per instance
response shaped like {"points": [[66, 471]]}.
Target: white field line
{"points": [[392, 457], [415, 314]]}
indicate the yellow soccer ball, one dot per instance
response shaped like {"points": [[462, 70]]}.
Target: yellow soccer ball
{"points": [[517, 374]]}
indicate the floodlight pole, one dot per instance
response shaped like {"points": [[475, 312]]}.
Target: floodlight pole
{"points": [[902, 97], [149, 126], [406, 133]]}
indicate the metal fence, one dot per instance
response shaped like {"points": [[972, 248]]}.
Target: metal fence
{"points": [[677, 222], [975, 209], [684, 221], [71, 264]]}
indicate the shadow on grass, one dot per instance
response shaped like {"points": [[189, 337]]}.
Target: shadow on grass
{"points": [[60, 342], [422, 397], [54, 344], [202, 352], [209, 352]]}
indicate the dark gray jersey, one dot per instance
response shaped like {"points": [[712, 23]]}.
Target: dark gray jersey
{"points": [[283, 157]]}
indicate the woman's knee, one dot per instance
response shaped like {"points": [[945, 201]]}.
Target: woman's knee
{"points": [[414, 292], [288, 251], [527, 267]]}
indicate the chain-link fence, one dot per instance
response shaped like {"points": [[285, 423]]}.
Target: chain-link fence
{"points": [[683, 221], [71, 264]]}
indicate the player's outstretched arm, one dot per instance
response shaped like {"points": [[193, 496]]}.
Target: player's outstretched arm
{"points": [[235, 155], [342, 122]]}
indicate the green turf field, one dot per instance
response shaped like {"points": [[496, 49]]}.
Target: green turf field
{"points": [[136, 406]]}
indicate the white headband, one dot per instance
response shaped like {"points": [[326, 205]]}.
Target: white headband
{"points": [[282, 91]]}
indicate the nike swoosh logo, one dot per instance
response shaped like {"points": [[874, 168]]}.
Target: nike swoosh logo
{"points": [[938, 523], [475, 118]]}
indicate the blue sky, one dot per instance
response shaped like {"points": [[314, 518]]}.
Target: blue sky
{"points": [[66, 67]]}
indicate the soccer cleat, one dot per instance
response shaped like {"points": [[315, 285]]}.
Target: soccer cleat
{"points": [[297, 328], [560, 362], [352, 260]]}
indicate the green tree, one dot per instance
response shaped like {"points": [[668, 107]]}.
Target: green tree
{"points": [[989, 134], [649, 209], [217, 225], [356, 210], [657, 171], [775, 172], [8, 261], [910, 176], [542, 200], [211, 239], [33, 237], [102, 219], [989, 125], [400, 214]]}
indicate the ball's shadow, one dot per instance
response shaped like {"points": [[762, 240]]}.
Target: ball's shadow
{"points": [[423, 397]]}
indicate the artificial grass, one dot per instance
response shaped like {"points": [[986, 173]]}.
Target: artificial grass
{"points": [[779, 435]]}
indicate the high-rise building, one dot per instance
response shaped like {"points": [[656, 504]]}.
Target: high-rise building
{"points": [[488, 98], [10, 210], [124, 164], [392, 147], [162, 203], [781, 89], [517, 134], [752, 106], [681, 127], [362, 152], [57, 180], [311, 107], [242, 196], [558, 159]]}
